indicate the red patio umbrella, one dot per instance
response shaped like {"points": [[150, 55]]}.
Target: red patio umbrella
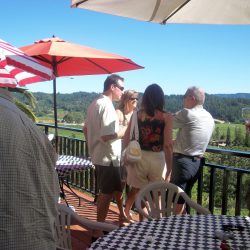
{"points": [[18, 69], [68, 59]]}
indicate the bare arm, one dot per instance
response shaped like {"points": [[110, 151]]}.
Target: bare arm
{"points": [[168, 144], [126, 136], [105, 137], [118, 135], [119, 115]]}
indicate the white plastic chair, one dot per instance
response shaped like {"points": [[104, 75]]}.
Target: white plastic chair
{"points": [[158, 199], [67, 217]]}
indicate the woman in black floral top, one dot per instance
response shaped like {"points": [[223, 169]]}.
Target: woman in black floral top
{"points": [[155, 138]]}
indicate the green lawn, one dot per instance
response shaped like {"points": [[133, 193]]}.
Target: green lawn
{"points": [[223, 127]]}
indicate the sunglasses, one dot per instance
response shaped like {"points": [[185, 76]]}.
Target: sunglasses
{"points": [[119, 87], [133, 99]]}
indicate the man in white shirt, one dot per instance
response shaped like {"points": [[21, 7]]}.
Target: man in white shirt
{"points": [[195, 126], [102, 133]]}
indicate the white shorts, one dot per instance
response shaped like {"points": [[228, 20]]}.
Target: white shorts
{"points": [[152, 167]]}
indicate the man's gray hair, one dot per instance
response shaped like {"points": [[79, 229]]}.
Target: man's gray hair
{"points": [[198, 94]]}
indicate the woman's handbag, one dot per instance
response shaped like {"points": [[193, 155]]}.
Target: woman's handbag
{"points": [[133, 150]]}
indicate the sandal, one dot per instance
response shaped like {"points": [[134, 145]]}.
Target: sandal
{"points": [[124, 221], [129, 218]]}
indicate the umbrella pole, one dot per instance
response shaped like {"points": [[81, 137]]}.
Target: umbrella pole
{"points": [[54, 66], [55, 112]]}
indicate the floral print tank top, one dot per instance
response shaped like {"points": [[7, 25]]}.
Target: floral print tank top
{"points": [[151, 134]]}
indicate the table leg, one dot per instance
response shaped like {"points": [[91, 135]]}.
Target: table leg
{"points": [[62, 193], [68, 186]]}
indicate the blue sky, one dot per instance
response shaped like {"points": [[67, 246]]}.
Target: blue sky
{"points": [[215, 57]]}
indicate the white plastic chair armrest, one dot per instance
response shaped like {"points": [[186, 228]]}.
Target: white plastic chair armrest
{"points": [[103, 226], [196, 206], [84, 222]]}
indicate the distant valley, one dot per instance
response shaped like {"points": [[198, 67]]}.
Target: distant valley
{"points": [[226, 107]]}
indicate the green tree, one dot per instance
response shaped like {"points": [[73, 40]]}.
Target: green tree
{"points": [[74, 117], [228, 137], [238, 137], [68, 118], [30, 99], [217, 133], [78, 117]]}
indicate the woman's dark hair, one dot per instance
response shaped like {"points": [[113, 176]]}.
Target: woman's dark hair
{"points": [[153, 98], [111, 79]]}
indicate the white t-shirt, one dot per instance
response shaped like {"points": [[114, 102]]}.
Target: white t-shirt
{"points": [[102, 120]]}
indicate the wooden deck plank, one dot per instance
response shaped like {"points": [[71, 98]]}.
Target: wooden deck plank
{"points": [[81, 237]]}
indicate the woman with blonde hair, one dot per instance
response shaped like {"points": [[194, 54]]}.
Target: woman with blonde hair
{"points": [[126, 106]]}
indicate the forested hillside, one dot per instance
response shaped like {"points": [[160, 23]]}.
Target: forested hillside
{"points": [[238, 95], [222, 107]]}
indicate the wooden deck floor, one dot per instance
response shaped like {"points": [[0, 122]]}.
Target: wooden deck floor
{"points": [[81, 237]]}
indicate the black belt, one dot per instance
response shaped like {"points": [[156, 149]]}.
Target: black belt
{"points": [[192, 157]]}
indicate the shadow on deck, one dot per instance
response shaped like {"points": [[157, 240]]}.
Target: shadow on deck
{"points": [[81, 237]]}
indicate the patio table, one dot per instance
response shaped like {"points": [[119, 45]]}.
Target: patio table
{"points": [[178, 232], [65, 165]]}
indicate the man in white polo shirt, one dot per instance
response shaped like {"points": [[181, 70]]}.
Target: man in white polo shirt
{"points": [[195, 126]]}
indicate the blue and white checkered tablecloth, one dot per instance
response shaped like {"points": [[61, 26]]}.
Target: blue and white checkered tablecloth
{"points": [[177, 232], [67, 163]]}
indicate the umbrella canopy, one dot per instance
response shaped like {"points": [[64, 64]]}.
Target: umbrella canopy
{"points": [[18, 69], [68, 59], [173, 11]]}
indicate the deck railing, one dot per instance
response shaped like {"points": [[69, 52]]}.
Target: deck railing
{"points": [[219, 187]]}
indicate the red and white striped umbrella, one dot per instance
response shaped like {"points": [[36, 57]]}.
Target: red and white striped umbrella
{"points": [[19, 69]]}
